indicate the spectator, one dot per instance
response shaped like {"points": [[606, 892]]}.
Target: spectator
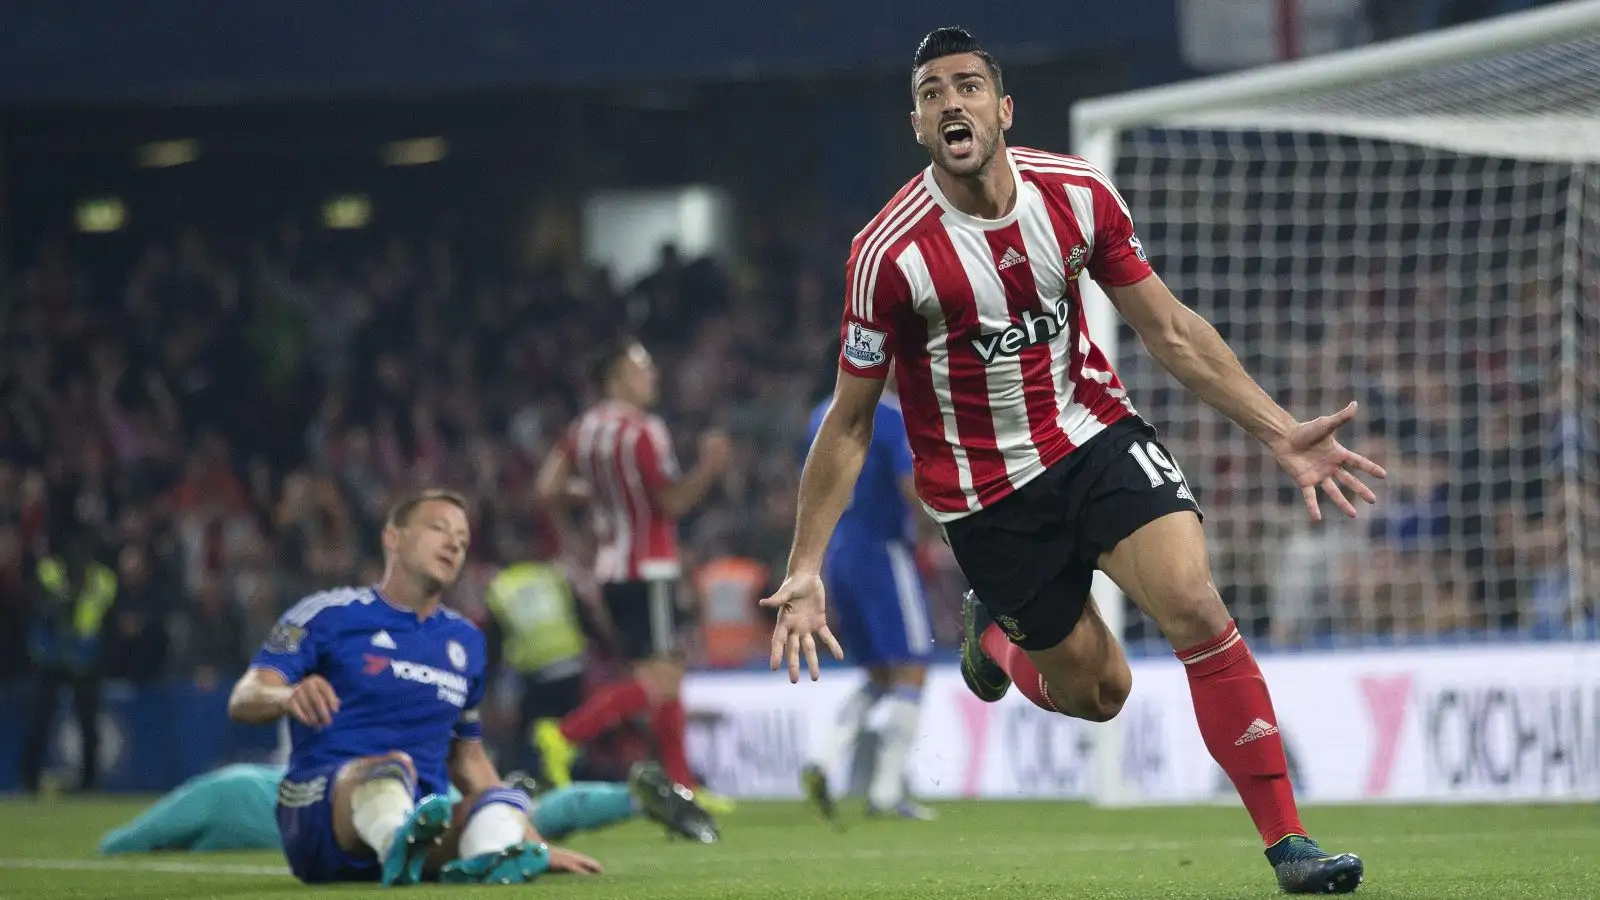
{"points": [[72, 593]]}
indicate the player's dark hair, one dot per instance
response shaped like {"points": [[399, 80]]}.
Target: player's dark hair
{"points": [[604, 358], [400, 514], [949, 41]]}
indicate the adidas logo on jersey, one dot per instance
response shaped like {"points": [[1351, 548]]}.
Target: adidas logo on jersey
{"points": [[1258, 729], [382, 639], [1033, 329], [1010, 258], [1184, 493]]}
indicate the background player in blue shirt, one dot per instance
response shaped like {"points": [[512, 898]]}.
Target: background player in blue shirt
{"points": [[871, 575], [382, 685]]}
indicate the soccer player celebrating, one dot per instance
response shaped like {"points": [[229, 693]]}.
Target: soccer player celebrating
{"points": [[618, 458], [382, 685], [871, 573], [1030, 454]]}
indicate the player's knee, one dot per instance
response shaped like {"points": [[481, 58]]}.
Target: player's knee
{"points": [[401, 757], [1110, 694], [1191, 613], [662, 681], [912, 676]]}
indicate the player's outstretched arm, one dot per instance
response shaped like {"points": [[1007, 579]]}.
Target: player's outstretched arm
{"points": [[832, 467], [263, 696], [1186, 345]]}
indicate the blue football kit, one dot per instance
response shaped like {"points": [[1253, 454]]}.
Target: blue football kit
{"points": [[870, 568], [404, 683]]}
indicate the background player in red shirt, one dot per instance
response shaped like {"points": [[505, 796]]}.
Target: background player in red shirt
{"points": [[619, 460], [1027, 449]]}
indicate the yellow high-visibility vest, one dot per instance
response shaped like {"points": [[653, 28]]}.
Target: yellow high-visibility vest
{"points": [[94, 600], [537, 614]]}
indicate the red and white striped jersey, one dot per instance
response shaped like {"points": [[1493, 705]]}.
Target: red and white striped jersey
{"points": [[998, 376], [626, 456]]}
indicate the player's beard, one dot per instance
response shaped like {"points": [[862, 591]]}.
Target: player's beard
{"points": [[986, 141]]}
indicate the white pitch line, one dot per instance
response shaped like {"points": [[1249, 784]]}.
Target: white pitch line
{"points": [[113, 865], [716, 858]]}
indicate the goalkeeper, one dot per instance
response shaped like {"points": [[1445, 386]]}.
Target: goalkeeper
{"points": [[232, 808]]}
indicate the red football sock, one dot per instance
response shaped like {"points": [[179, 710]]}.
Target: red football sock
{"points": [[1014, 660], [604, 710], [669, 725], [1236, 720]]}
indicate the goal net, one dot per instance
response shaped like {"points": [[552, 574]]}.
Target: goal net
{"points": [[1414, 226]]}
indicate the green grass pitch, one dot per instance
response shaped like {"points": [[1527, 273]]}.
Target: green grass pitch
{"points": [[975, 850]]}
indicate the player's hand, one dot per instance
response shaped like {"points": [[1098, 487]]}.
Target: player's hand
{"points": [[716, 449], [312, 702], [802, 607], [576, 863], [1309, 453]]}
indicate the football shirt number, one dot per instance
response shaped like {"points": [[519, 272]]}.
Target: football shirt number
{"points": [[1157, 466]]}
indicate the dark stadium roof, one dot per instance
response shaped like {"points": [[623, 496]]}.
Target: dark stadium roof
{"points": [[187, 51]]}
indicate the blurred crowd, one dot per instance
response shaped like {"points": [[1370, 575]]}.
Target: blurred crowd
{"points": [[227, 421], [1488, 525]]}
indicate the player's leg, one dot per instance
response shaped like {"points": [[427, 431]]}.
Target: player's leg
{"points": [[241, 819], [582, 806], [846, 596], [663, 672], [173, 822], [887, 793], [41, 716], [593, 805], [542, 706], [1083, 675], [241, 797], [487, 842], [1029, 619], [671, 803], [357, 821], [376, 812], [227, 809], [86, 705], [903, 639], [1163, 568], [609, 706], [1142, 517]]}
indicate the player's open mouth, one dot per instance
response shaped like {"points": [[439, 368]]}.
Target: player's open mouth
{"points": [[958, 137]]}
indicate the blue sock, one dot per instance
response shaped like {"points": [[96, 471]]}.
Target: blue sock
{"points": [[583, 806]]}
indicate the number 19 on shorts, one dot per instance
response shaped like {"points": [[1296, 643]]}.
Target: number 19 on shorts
{"points": [[1157, 466]]}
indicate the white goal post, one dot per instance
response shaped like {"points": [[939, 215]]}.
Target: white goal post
{"points": [[1415, 225]]}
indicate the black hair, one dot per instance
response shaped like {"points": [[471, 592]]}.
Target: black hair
{"points": [[949, 41], [604, 358]]}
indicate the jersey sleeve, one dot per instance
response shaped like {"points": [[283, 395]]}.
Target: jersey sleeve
{"points": [[1118, 257], [291, 647], [658, 462], [877, 295], [469, 727], [890, 433]]}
